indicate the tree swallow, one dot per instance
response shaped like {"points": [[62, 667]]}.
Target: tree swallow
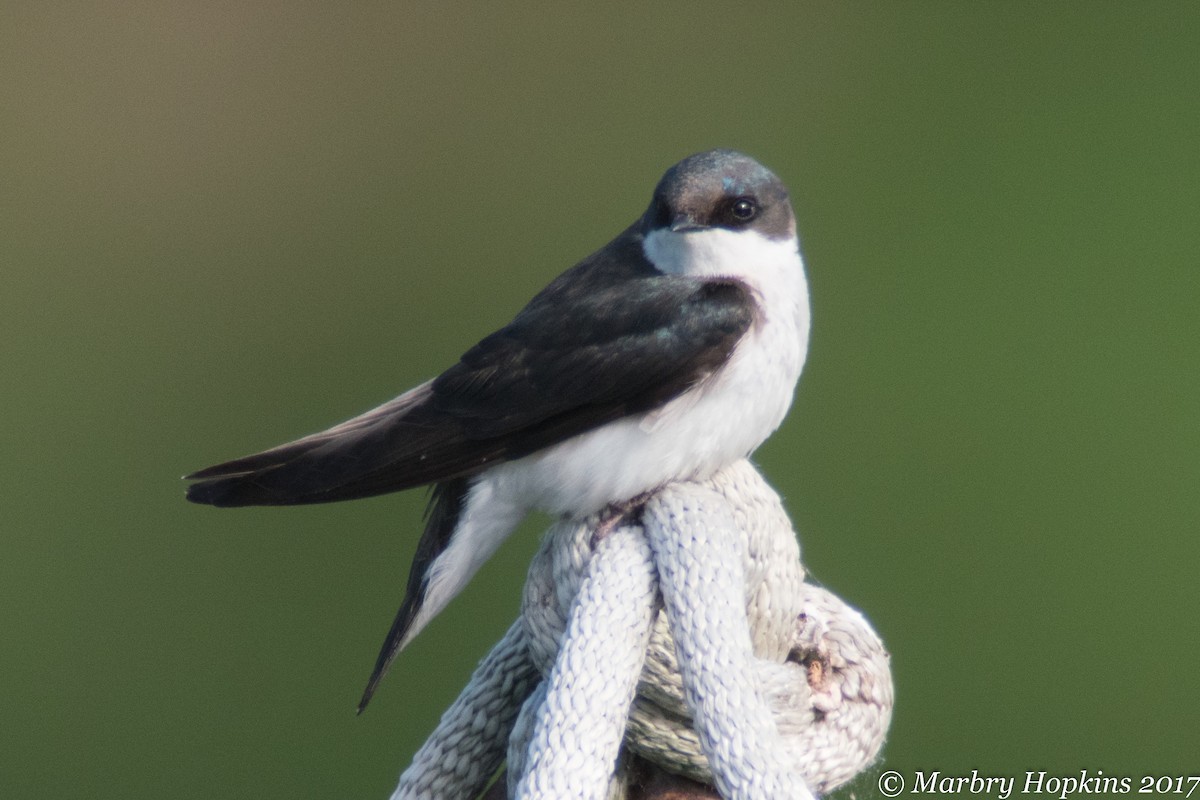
{"points": [[669, 353]]}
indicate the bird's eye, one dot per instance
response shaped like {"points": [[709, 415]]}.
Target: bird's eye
{"points": [[744, 209]]}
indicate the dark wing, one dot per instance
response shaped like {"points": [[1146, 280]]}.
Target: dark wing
{"points": [[609, 338]]}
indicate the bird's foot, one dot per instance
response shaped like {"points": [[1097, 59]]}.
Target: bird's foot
{"points": [[614, 515]]}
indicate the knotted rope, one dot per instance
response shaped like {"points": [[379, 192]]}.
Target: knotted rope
{"points": [[691, 640]]}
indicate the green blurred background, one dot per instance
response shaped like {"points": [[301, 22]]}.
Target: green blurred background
{"points": [[224, 225]]}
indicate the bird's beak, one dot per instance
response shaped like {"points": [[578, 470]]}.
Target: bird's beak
{"points": [[683, 222]]}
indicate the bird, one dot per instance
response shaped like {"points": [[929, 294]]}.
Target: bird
{"points": [[669, 353]]}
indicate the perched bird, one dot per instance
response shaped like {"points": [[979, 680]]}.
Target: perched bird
{"points": [[667, 354]]}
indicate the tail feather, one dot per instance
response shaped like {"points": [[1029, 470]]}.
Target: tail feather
{"points": [[445, 507]]}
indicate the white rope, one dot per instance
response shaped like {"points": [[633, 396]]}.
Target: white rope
{"points": [[580, 717], [468, 745], [704, 586], [768, 684]]}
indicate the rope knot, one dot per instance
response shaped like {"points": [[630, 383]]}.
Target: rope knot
{"points": [[685, 636]]}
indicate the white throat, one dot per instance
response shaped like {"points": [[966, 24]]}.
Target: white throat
{"points": [[765, 264], [772, 268]]}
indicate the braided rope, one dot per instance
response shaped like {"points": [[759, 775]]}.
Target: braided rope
{"points": [[572, 751], [468, 745], [746, 755], [747, 677]]}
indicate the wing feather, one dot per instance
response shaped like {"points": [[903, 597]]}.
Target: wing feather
{"points": [[609, 338]]}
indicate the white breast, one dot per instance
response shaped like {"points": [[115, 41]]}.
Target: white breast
{"points": [[716, 423]]}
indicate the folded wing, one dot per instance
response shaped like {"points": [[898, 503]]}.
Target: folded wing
{"points": [[584, 352]]}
